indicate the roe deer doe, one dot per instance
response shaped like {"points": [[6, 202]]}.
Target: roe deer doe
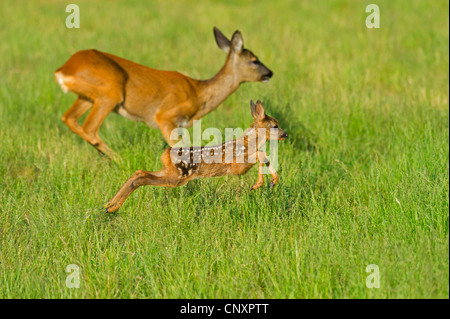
{"points": [[164, 99]]}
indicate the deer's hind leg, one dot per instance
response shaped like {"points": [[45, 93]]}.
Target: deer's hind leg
{"points": [[102, 107], [165, 177], [102, 91], [70, 118], [89, 130]]}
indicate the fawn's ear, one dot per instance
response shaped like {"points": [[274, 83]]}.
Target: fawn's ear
{"points": [[221, 40], [237, 42], [257, 110]]}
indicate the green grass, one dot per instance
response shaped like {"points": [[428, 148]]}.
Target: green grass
{"points": [[364, 173]]}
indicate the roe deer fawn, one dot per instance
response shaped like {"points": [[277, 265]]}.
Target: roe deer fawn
{"points": [[197, 163], [163, 99]]}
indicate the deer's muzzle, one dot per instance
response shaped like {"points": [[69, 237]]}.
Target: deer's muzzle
{"points": [[267, 76]]}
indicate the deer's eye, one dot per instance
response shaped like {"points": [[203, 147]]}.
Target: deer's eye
{"points": [[256, 62], [276, 126]]}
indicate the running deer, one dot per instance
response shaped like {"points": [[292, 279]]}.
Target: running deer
{"points": [[234, 157], [162, 99]]}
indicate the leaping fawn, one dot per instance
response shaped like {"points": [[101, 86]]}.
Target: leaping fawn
{"points": [[182, 166], [164, 99]]}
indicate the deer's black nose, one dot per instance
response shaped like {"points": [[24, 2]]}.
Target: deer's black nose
{"points": [[267, 76], [284, 135]]}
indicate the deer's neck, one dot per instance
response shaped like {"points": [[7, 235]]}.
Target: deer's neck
{"points": [[214, 91]]}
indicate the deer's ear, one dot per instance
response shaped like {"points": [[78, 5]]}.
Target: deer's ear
{"points": [[257, 110], [221, 40], [237, 42], [252, 108]]}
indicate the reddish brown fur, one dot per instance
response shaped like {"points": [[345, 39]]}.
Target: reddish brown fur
{"points": [[161, 99], [178, 171]]}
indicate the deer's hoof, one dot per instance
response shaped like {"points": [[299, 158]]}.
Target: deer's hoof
{"points": [[110, 207], [255, 186]]}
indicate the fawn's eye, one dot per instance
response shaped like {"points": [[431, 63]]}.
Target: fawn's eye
{"points": [[276, 126], [256, 62]]}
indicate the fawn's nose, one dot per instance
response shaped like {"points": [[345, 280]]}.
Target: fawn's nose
{"points": [[284, 135]]}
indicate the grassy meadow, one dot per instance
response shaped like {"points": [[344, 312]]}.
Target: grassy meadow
{"points": [[364, 174]]}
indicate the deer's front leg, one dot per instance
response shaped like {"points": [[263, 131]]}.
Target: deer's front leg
{"points": [[264, 159], [166, 128], [169, 120], [275, 178], [260, 180]]}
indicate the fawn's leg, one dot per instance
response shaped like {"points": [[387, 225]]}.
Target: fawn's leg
{"points": [[275, 176], [260, 180], [263, 159], [140, 178]]}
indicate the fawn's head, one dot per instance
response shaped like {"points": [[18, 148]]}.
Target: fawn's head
{"points": [[243, 61], [263, 121]]}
